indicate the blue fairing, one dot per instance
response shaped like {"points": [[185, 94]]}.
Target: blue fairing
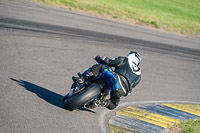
{"points": [[110, 79]]}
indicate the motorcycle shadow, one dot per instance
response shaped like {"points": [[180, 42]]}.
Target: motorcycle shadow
{"points": [[45, 94]]}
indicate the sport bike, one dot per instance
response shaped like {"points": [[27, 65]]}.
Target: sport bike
{"points": [[92, 92]]}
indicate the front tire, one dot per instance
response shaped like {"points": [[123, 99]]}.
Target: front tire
{"points": [[83, 97]]}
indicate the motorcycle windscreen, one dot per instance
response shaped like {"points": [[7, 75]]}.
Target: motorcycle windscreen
{"points": [[110, 79]]}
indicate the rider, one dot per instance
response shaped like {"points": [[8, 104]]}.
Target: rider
{"points": [[126, 70]]}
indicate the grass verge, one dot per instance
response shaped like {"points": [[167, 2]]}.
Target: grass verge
{"points": [[181, 16], [189, 126]]}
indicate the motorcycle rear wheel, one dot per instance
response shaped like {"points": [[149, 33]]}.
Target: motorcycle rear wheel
{"points": [[84, 96]]}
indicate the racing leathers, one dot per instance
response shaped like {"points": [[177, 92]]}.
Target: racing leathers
{"points": [[128, 75]]}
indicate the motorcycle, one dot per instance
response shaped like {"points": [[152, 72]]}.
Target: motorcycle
{"points": [[92, 92]]}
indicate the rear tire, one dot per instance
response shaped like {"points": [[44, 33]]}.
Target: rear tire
{"points": [[83, 97]]}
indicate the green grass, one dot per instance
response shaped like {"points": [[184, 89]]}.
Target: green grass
{"points": [[190, 126], [182, 16]]}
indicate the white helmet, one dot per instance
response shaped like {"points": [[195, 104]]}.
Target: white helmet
{"points": [[134, 58]]}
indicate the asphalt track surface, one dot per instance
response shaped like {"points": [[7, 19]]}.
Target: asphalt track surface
{"points": [[41, 47]]}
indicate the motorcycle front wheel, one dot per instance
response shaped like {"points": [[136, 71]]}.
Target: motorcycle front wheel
{"points": [[83, 97]]}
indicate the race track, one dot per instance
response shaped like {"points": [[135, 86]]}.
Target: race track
{"points": [[42, 47]]}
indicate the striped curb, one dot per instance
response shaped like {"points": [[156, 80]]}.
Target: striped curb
{"points": [[152, 118]]}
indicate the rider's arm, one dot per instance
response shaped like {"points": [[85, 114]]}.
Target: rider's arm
{"points": [[109, 62]]}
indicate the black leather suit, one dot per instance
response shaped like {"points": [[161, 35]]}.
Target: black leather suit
{"points": [[127, 78]]}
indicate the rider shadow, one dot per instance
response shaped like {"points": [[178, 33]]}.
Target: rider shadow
{"points": [[45, 94]]}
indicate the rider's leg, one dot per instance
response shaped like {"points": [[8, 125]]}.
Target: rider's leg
{"points": [[115, 98], [98, 68]]}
